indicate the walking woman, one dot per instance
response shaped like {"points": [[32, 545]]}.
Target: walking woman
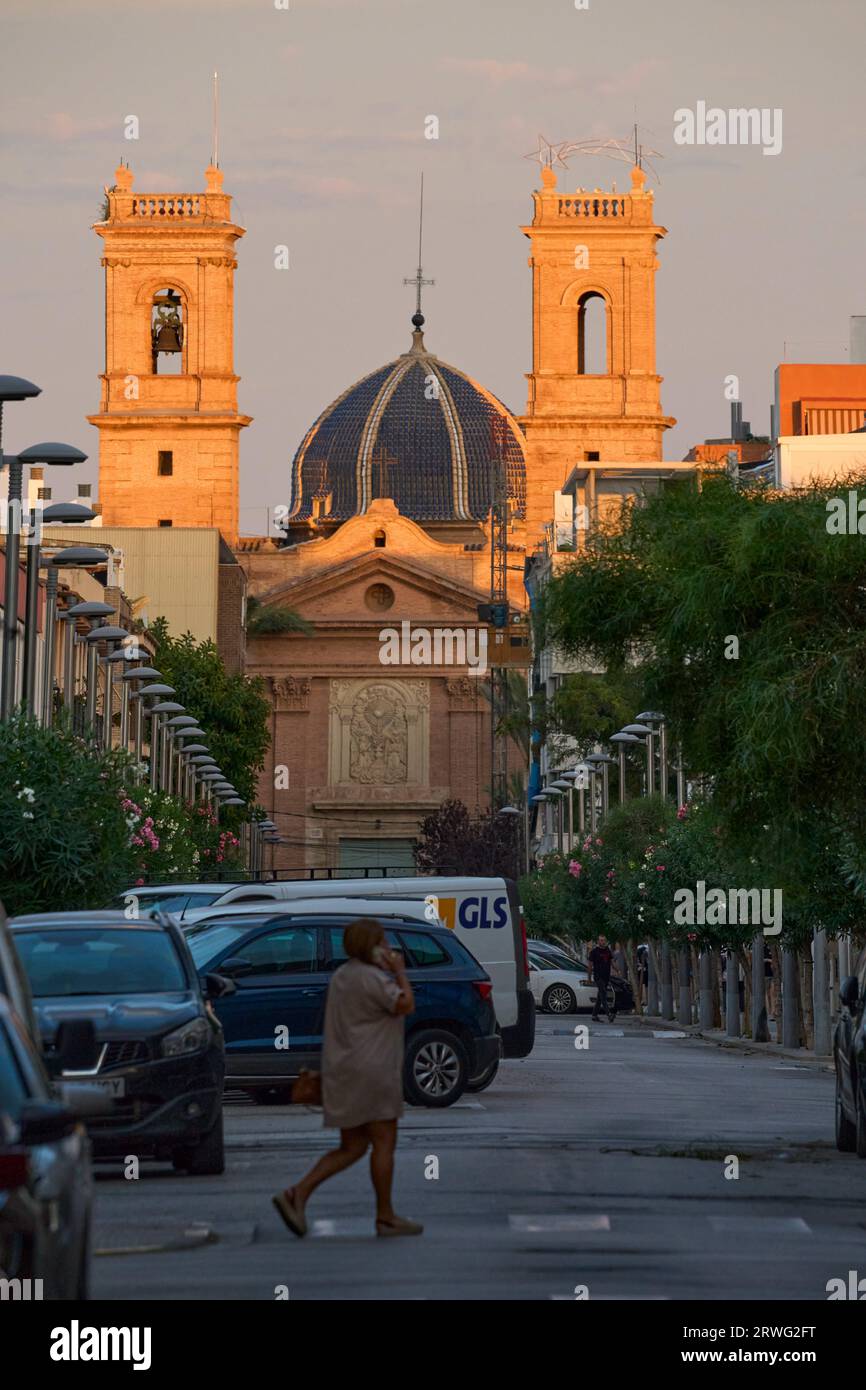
{"points": [[362, 1074]]}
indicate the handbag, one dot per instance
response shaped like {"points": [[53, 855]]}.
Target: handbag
{"points": [[307, 1090]]}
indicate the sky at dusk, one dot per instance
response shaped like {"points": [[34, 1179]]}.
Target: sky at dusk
{"points": [[322, 141]]}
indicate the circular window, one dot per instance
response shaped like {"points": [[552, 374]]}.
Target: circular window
{"points": [[379, 597]]}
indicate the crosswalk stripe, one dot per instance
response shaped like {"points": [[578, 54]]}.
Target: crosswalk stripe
{"points": [[565, 1221]]}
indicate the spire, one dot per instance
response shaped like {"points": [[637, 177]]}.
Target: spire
{"points": [[418, 281]]}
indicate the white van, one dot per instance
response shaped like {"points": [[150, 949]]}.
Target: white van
{"points": [[484, 912]]}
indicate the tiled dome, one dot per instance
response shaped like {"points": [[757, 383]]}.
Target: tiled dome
{"points": [[417, 431]]}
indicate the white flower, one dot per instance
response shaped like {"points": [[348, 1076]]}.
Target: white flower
{"points": [[641, 885], [27, 792], [28, 815]]}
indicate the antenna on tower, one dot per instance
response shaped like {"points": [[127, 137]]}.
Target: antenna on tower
{"points": [[215, 142]]}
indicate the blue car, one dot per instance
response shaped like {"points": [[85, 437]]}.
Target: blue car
{"points": [[281, 964]]}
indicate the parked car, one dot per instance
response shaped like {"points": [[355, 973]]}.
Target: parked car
{"points": [[483, 913], [14, 984], [849, 1057], [384, 911], [160, 1046], [557, 958], [281, 963], [45, 1174], [177, 898], [559, 989]]}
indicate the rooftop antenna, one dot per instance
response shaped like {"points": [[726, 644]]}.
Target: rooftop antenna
{"points": [[215, 144], [418, 278]]}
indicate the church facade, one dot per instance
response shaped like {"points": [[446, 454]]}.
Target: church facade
{"points": [[416, 499]]}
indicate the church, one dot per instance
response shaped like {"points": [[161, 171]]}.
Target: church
{"points": [[415, 500]]}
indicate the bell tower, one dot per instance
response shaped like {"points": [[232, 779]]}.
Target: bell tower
{"points": [[594, 394], [168, 421]]}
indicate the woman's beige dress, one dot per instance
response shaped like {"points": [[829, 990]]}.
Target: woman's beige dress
{"points": [[362, 1054]]}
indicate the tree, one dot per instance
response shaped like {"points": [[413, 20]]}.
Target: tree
{"points": [[745, 621], [453, 842], [64, 840], [264, 619], [232, 708]]}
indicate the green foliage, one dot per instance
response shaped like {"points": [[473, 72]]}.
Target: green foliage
{"points": [[775, 732], [232, 708], [63, 836], [264, 619]]}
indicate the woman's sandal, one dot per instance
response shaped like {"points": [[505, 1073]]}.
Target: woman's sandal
{"points": [[400, 1226], [293, 1216]]}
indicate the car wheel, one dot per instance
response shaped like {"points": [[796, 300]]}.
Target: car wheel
{"points": [[860, 1130], [559, 999], [273, 1095], [435, 1069], [846, 1132], [207, 1157], [483, 1079]]}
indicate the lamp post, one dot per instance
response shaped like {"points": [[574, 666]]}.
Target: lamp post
{"points": [[91, 608], [80, 557], [158, 690], [622, 740], [53, 455], [61, 513], [174, 727], [12, 388], [139, 673], [653, 717], [108, 634], [643, 733]]}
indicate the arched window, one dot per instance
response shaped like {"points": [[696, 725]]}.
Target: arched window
{"points": [[166, 333], [592, 335]]}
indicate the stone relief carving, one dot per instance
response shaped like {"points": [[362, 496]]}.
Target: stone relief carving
{"points": [[291, 692], [379, 732]]}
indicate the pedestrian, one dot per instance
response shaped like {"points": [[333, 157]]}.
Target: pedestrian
{"points": [[619, 963], [362, 1074], [600, 960]]}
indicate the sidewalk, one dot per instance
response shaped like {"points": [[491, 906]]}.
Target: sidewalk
{"points": [[719, 1038]]}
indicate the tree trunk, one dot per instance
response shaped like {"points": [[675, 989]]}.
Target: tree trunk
{"points": [[716, 968], [807, 1014], [744, 958], [654, 998]]}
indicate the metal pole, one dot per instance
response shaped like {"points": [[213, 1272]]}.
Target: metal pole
{"points": [[663, 760], [90, 692], [650, 764], [732, 995], [69, 668], [139, 729], [820, 994], [593, 813], [681, 777], [9, 683], [790, 1008], [571, 819], [559, 824], [108, 711], [48, 648], [605, 789], [124, 714], [526, 831], [154, 752], [621, 773], [31, 620], [581, 811]]}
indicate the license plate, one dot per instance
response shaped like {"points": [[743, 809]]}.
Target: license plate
{"points": [[114, 1085]]}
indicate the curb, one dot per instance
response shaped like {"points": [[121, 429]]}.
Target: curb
{"points": [[744, 1045]]}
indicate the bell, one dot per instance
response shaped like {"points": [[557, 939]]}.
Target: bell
{"points": [[168, 338]]}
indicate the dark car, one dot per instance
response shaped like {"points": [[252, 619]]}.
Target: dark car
{"points": [[45, 1178], [160, 1051], [849, 1056], [282, 963], [621, 988], [14, 985]]}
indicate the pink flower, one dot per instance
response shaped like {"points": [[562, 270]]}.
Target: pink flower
{"points": [[682, 812], [574, 868], [660, 868], [139, 883]]}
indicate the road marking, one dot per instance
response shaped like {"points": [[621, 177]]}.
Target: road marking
{"points": [[762, 1225], [343, 1227], [611, 1298], [566, 1221], [669, 1033]]}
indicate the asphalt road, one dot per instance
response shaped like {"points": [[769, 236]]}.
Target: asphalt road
{"points": [[600, 1169]]}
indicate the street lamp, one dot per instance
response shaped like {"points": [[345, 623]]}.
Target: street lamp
{"points": [[12, 388], [61, 513], [645, 734], [622, 740], [108, 634], [53, 455], [653, 716], [89, 609]]}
